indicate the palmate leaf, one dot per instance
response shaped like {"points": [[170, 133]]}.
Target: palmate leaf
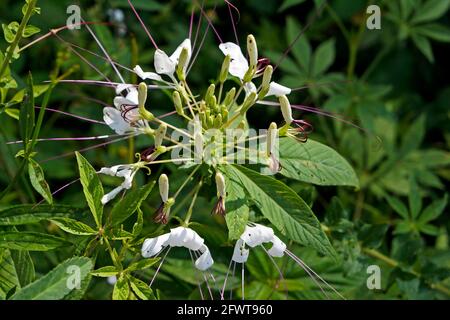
{"points": [[59, 282], [315, 163], [92, 188], [282, 207]]}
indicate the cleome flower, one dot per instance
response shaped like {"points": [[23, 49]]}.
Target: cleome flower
{"points": [[125, 171]]}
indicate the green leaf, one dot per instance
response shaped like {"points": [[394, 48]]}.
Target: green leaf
{"points": [[38, 182], [142, 264], [283, 207], [59, 282], [30, 31], [237, 211], [73, 226], [32, 241], [129, 204], [315, 163], [433, 211], [289, 3], [430, 10], [434, 31], [10, 31], [141, 289], [105, 272], [9, 278], [121, 289], [323, 57], [414, 198], [92, 188], [423, 44], [29, 213], [138, 225], [413, 136], [398, 206], [27, 116], [302, 49], [24, 266]]}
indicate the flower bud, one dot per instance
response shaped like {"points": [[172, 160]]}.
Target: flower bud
{"points": [[164, 187], [142, 98], [229, 97], [286, 109], [271, 136], [160, 134], [265, 85], [178, 104], [220, 184], [218, 121], [210, 94], [182, 64], [225, 67], [252, 50], [248, 102]]}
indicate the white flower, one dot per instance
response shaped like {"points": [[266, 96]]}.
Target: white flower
{"points": [[179, 237], [166, 65], [278, 90], [146, 75], [113, 118], [238, 64], [127, 172]]}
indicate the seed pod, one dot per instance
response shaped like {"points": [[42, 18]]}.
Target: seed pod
{"points": [[163, 182], [286, 109], [177, 102], [225, 67], [160, 134], [182, 64], [265, 85]]}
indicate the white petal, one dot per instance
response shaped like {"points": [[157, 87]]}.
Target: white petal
{"points": [[114, 120], [257, 235], [277, 90], [146, 75], [205, 261], [278, 247], [122, 87], [153, 246], [240, 254], [112, 280], [193, 241], [238, 63], [177, 236], [249, 87], [163, 64], [111, 195], [133, 96], [121, 101], [176, 55], [110, 171]]}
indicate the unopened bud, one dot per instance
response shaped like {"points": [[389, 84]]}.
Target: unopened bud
{"points": [[142, 98], [218, 121], [265, 85], [229, 97], [225, 67], [248, 102], [178, 104], [182, 64], [163, 182], [271, 137], [252, 50], [160, 134], [198, 146], [286, 109], [210, 93], [220, 183]]}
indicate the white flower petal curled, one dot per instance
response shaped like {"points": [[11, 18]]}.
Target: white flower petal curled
{"points": [[176, 55], [122, 171], [153, 246], [163, 64], [193, 241], [177, 236], [278, 90], [238, 63], [278, 247], [256, 235], [122, 87], [146, 75], [113, 118], [111, 195], [205, 261], [240, 254], [249, 87]]}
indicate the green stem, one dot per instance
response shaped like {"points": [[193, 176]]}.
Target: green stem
{"points": [[185, 182], [191, 207], [18, 37]]}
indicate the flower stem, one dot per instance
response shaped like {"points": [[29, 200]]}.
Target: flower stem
{"points": [[191, 207], [185, 182]]}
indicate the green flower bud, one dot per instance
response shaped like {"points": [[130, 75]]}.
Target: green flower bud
{"points": [[286, 109], [160, 134], [220, 184], [248, 102], [210, 93], [229, 97], [182, 64], [271, 136], [225, 67], [252, 50], [265, 85], [178, 104], [142, 98], [218, 121], [163, 182]]}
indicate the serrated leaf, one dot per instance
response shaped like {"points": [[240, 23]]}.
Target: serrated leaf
{"points": [[323, 57], [282, 207], [38, 182], [121, 289], [105, 272], [29, 213], [92, 188], [315, 163], [141, 289], [9, 278], [31, 241], [129, 204], [138, 225], [73, 226], [30, 31], [57, 283], [413, 136], [142, 264]]}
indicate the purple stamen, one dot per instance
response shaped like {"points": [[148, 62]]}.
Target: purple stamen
{"points": [[230, 5], [191, 23], [143, 24], [73, 115], [198, 27], [210, 22], [70, 139]]}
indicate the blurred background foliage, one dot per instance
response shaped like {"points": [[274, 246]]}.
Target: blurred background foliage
{"points": [[391, 82]]}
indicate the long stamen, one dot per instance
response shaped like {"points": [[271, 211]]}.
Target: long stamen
{"points": [[143, 24], [191, 23], [159, 267], [230, 6], [198, 27], [199, 285], [225, 281], [232, 277], [71, 139], [210, 22], [243, 280], [58, 190], [73, 115], [278, 269]]}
